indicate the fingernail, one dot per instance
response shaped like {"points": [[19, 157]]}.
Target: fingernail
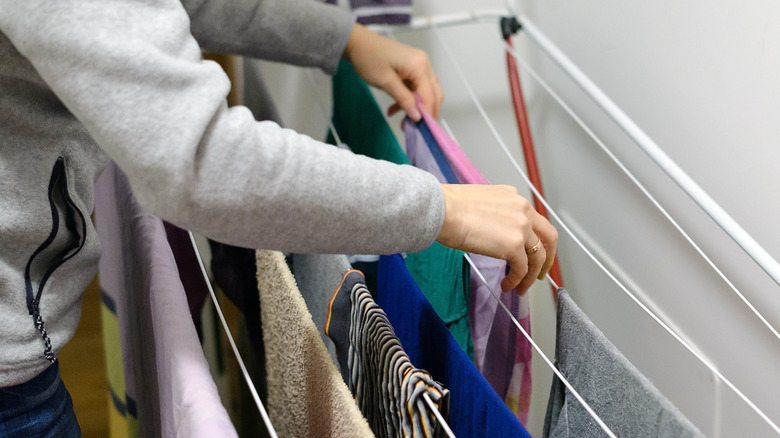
{"points": [[414, 113]]}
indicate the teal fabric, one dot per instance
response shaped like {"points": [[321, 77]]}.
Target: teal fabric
{"points": [[359, 121], [441, 272], [443, 275]]}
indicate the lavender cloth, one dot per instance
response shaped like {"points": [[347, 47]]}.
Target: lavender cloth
{"points": [[166, 373], [419, 154], [501, 352]]}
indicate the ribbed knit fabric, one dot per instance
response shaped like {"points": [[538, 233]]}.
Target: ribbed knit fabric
{"points": [[306, 394], [388, 388]]}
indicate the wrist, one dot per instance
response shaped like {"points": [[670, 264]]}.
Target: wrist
{"points": [[451, 224], [355, 38]]}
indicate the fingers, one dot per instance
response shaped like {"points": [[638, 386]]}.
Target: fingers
{"points": [[397, 69], [549, 237], [496, 221], [430, 91], [536, 260], [518, 268], [395, 87], [415, 74]]}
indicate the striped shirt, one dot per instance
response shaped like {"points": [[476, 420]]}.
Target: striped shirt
{"points": [[388, 388]]}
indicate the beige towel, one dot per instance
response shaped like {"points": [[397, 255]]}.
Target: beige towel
{"points": [[306, 395]]}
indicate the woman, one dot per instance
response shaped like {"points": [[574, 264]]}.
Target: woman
{"points": [[82, 82]]}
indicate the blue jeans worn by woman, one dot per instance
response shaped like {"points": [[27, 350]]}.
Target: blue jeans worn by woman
{"points": [[41, 407]]}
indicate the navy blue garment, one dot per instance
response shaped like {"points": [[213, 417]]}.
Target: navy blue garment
{"points": [[40, 407], [475, 408], [437, 153]]}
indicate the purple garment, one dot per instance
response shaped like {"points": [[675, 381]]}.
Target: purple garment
{"points": [[195, 286], [380, 11], [167, 377], [419, 154], [501, 353]]}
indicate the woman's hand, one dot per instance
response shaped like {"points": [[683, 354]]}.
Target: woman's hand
{"points": [[496, 221], [395, 68]]}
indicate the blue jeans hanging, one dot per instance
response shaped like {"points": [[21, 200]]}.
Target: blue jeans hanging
{"points": [[41, 407]]}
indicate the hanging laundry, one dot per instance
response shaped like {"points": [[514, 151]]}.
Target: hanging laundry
{"points": [[442, 272], [380, 11], [620, 395], [306, 394], [388, 388], [168, 389], [195, 286], [475, 409], [318, 275], [501, 353], [424, 152]]}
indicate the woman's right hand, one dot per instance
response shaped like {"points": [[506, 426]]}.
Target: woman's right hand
{"points": [[496, 221]]}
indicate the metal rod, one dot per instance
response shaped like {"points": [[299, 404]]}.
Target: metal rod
{"points": [[638, 184], [568, 230], [715, 211], [444, 20]]}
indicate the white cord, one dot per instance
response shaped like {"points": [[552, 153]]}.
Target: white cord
{"points": [[244, 371], [438, 416], [574, 392], [707, 204], [583, 247], [636, 182]]}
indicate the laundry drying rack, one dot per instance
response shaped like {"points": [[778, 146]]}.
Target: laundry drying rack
{"points": [[532, 178]]}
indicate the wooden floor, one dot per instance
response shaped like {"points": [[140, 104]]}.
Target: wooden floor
{"points": [[83, 369]]}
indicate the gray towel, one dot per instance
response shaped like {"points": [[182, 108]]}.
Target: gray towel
{"points": [[625, 399]]}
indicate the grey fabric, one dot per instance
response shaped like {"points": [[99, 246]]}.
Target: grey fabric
{"points": [[125, 80], [298, 32], [626, 401], [318, 276]]}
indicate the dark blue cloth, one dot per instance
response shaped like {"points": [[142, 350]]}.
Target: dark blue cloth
{"points": [[475, 409], [40, 407], [437, 153]]}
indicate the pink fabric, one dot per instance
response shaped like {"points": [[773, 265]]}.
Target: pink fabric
{"points": [[501, 353], [464, 170]]}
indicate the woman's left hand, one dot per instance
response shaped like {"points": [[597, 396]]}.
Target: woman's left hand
{"points": [[397, 69]]}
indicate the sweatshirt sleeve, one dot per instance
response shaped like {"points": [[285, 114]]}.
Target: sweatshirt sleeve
{"points": [[132, 74], [300, 32]]}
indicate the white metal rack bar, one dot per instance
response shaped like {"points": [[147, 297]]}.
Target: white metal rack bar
{"points": [[715, 211]]}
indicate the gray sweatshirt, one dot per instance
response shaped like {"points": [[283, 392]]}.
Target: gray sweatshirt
{"points": [[85, 81]]}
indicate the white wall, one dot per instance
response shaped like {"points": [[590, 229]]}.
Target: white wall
{"points": [[701, 78]]}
